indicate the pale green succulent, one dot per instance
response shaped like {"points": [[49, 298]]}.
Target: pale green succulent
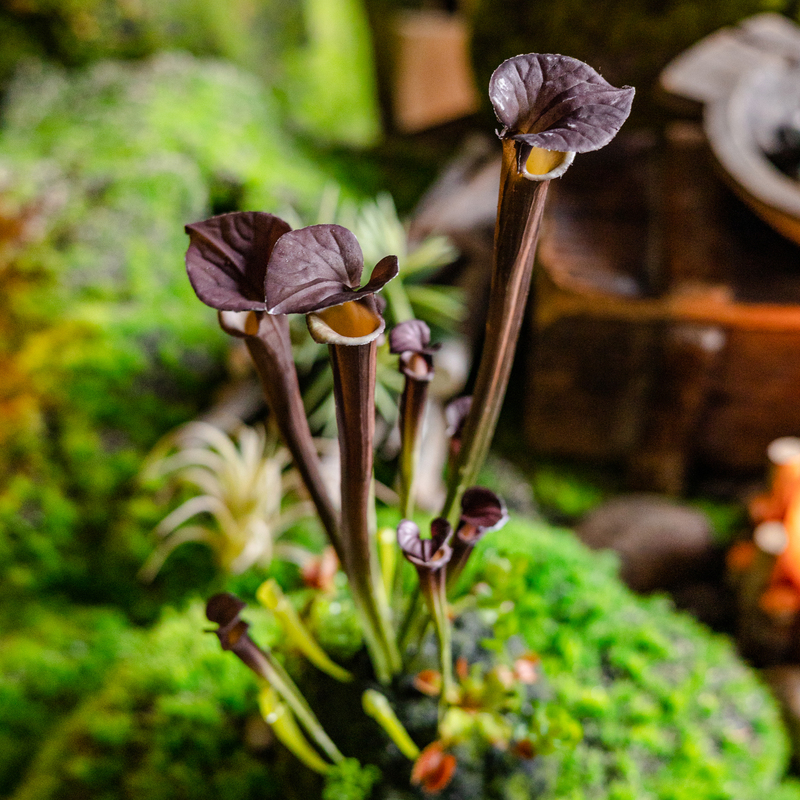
{"points": [[246, 500]]}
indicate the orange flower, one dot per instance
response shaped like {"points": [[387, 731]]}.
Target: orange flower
{"points": [[429, 682], [433, 769]]}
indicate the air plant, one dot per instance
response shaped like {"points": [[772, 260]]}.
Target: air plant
{"points": [[253, 266], [243, 486]]}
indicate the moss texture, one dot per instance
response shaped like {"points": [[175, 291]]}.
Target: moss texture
{"points": [[108, 345], [667, 709], [49, 660], [167, 725]]}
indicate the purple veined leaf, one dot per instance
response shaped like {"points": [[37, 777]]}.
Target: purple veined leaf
{"points": [[431, 553], [411, 339], [482, 509], [227, 258], [455, 414], [557, 103], [224, 608], [412, 336], [318, 267]]}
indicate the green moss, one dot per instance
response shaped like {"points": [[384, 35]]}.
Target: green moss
{"points": [[350, 781], [114, 346], [667, 708], [168, 725], [49, 660]]}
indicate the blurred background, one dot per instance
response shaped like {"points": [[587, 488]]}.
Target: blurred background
{"points": [[662, 351]]}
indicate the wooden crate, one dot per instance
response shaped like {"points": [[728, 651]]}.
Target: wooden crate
{"points": [[667, 318]]}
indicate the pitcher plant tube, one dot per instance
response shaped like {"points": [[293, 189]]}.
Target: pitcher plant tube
{"points": [[227, 263], [317, 271], [430, 557], [224, 609], [550, 108], [411, 340], [254, 269], [481, 511]]}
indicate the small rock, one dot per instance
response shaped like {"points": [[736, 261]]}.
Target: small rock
{"points": [[661, 544]]}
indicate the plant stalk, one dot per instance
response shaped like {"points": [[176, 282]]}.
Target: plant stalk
{"points": [[271, 351], [398, 302], [412, 415], [519, 215], [433, 588], [462, 549], [271, 596], [379, 708], [276, 676], [354, 368], [278, 716]]}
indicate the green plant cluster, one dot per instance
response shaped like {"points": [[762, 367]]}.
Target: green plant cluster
{"points": [[108, 349], [668, 711], [319, 49], [75, 32]]}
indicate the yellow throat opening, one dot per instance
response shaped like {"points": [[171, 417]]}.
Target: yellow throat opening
{"points": [[352, 320], [540, 161]]}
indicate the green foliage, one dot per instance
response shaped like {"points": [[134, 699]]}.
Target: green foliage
{"points": [[166, 726], [49, 660], [334, 623], [78, 31], [667, 709], [566, 492], [331, 78], [110, 346], [320, 49], [350, 781]]}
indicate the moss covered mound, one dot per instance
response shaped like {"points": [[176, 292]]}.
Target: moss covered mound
{"points": [[668, 710], [50, 659], [168, 725]]}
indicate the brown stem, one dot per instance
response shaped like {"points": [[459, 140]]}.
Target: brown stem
{"points": [[519, 216], [412, 414], [354, 368], [433, 587], [463, 543], [271, 351]]}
